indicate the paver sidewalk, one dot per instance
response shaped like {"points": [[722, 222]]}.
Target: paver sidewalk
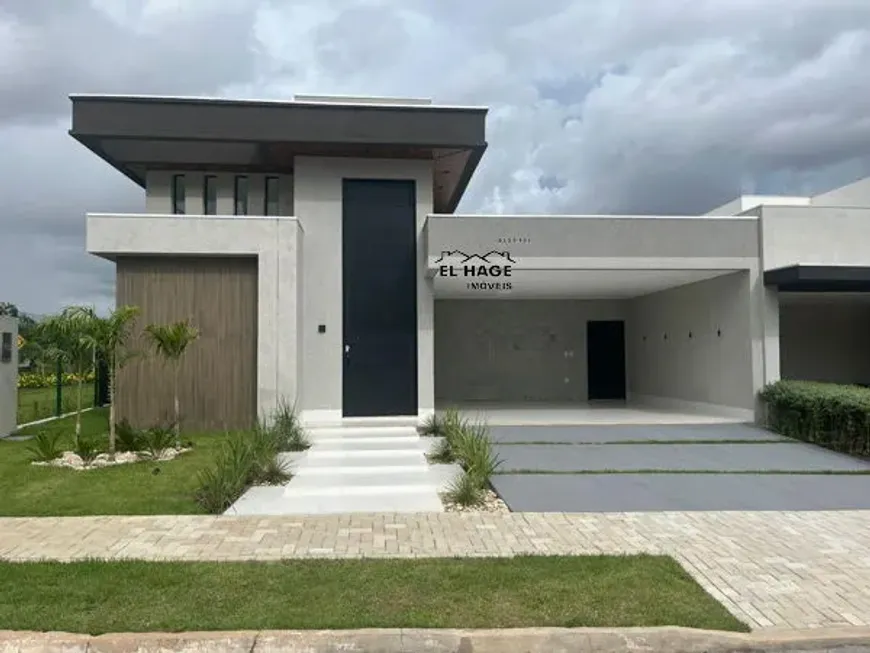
{"points": [[771, 569]]}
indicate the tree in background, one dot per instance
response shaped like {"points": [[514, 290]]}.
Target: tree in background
{"points": [[8, 308], [170, 342]]}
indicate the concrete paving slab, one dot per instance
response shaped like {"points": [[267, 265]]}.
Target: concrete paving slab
{"points": [[629, 432], [786, 456], [420, 500], [662, 639], [681, 492]]}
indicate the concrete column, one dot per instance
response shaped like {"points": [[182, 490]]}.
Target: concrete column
{"points": [[771, 336]]}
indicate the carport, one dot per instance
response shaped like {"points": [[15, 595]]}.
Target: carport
{"points": [[824, 317], [553, 337]]}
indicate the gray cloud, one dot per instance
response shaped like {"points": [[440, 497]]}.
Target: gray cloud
{"points": [[58, 48], [661, 106]]}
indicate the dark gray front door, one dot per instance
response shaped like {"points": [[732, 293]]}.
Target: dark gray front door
{"points": [[379, 267], [605, 357]]}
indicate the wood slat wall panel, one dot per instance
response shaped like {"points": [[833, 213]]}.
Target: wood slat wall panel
{"points": [[218, 379]]}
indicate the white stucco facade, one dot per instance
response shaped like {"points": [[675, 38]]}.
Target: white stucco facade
{"points": [[8, 374], [708, 310]]}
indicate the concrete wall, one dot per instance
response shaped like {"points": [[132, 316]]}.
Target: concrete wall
{"points": [[825, 340], [745, 203], [274, 241], [814, 235], [318, 205], [856, 194], [9, 378], [158, 192], [579, 237], [693, 346], [514, 350]]}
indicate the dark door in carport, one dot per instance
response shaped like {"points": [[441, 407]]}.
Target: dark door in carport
{"points": [[605, 359]]}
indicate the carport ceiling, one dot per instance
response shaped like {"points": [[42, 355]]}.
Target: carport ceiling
{"points": [[578, 284]]}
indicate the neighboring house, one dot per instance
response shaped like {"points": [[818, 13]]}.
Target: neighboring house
{"points": [[314, 244]]}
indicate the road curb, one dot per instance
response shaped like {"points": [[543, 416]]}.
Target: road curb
{"points": [[410, 640]]}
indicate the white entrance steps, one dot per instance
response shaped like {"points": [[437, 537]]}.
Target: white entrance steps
{"points": [[375, 466], [388, 431]]}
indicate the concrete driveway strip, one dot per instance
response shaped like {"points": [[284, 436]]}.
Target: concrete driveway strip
{"points": [[681, 492], [630, 432], [786, 456]]}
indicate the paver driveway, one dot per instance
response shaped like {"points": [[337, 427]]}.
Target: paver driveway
{"points": [[715, 467], [771, 569]]}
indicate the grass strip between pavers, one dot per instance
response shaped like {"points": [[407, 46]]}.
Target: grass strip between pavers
{"points": [[132, 596], [527, 443], [804, 472]]}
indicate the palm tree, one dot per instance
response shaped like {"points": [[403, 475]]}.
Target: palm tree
{"points": [[109, 337], [77, 325], [171, 341], [62, 338]]}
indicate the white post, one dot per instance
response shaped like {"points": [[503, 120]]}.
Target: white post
{"points": [[8, 374]]}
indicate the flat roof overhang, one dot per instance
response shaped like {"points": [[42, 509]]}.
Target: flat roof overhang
{"points": [[139, 133], [819, 278]]}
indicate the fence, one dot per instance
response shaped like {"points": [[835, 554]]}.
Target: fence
{"points": [[61, 396]]}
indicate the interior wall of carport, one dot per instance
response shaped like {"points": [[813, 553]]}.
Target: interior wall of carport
{"points": [[824, 339], [691, 347], [514, 351]]}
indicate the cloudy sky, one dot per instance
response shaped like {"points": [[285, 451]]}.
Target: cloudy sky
{"points": [[644, 106]]}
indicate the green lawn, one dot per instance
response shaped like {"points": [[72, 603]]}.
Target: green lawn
{"points": [[97, 597], [39, 403], [145, 488]]}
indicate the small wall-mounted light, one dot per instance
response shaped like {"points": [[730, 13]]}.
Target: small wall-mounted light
{"points": [[321, 328]]}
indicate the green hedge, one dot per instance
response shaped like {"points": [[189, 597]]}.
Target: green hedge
{"points": [[29, 380], [832, 415]]}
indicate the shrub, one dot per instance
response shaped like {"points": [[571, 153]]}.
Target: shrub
{"points": [[288, 428], [473, 448], [466, 491], [832, 415], [266, 467], [244, 459], [45, 447], [87, 448], [433, 426], [274, 471], [443, 452], [224, 481], [467, 443], [32, 380], [157, 439], [128, 437]]}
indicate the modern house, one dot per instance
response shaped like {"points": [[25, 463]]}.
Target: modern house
{"points": [[314, 243]]}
